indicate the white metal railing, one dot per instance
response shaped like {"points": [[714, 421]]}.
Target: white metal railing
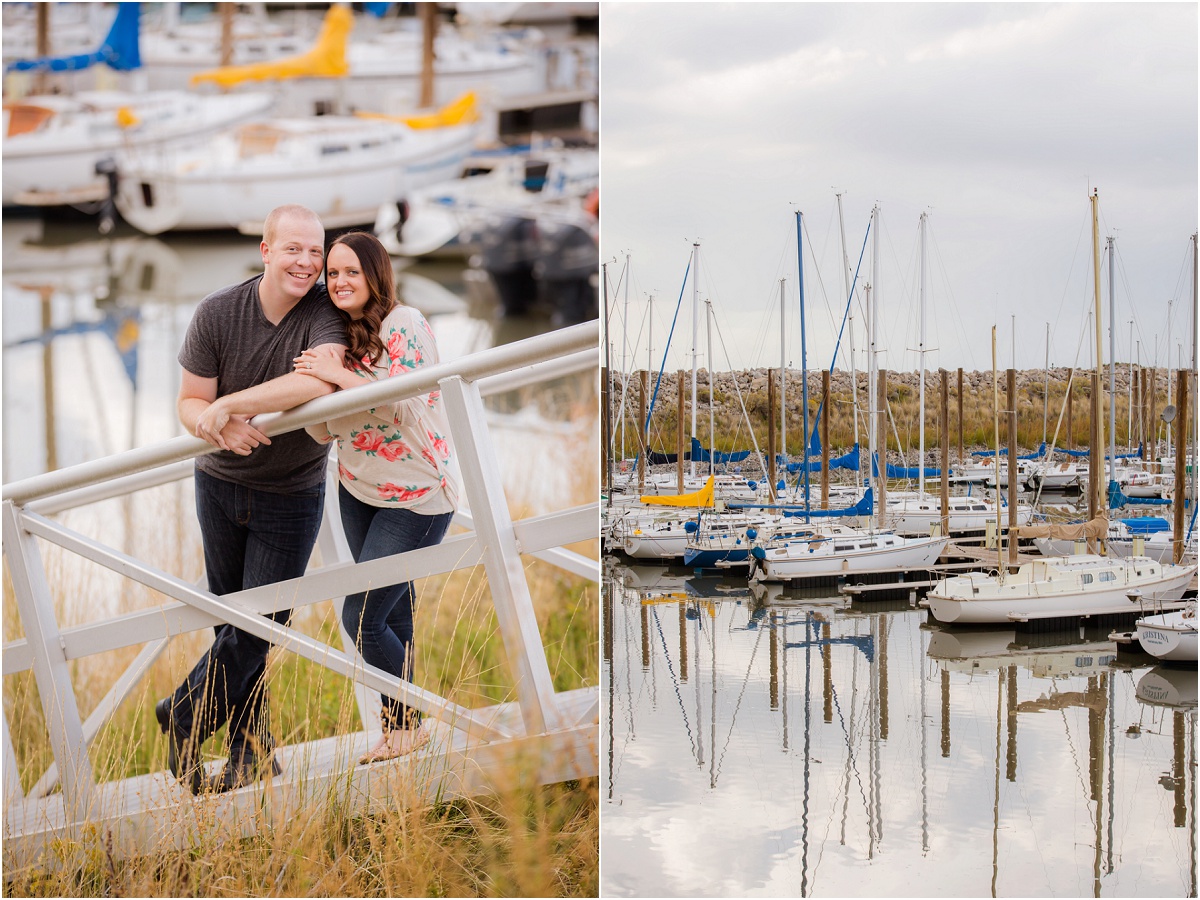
{"points": [[496, 541]]}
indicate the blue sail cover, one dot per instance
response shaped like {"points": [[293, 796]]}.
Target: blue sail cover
{"points": [[1146, 524], [699, 454], [912, 472], [1118, 500], [1080, 453], [118, 51], [1036, 454], [903, 471], [849, 461], [864, 507]]}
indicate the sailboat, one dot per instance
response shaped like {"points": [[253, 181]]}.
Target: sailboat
{"points": [[831, 550], [342, 166], [1061, 586]]}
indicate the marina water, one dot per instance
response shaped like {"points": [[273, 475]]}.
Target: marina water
{"points": [[762, 741]]}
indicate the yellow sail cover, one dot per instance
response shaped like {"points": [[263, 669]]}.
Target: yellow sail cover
{"points": [[326, 59], [461, 111], [701, 498]]}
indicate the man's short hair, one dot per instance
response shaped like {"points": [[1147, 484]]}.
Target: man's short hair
{"points": [[279, 213]]}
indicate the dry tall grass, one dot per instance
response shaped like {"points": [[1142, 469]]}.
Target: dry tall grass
{"points": [[527, 840], [732, 433]]}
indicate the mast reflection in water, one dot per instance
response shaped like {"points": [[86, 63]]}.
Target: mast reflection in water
{"points": [[767, 742]]}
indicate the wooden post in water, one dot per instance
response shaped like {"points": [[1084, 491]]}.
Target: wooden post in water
{"points": [[961, 457], [1011, 417], [881, 430], [1181, 431], [428, 39], [946, 709], [1070, 410], [683, 655], [1152, 431], [827, 671], [1143, 412], [824, 440], [773, 682], [771, 429], [645, 629], [643, 395], [227, 14], [606, 439], [944, 440], [1010, 756], [1096, 477], [679, 432], [41, 84]]}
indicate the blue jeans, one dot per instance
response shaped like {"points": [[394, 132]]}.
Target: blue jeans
{"points": [[251, 538], [380, 620]]}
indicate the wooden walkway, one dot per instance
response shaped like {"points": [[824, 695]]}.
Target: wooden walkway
{"points": [[543, 736], [154, 813]]}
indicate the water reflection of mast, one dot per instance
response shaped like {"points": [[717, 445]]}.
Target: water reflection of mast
{"points": [[607, 601]]}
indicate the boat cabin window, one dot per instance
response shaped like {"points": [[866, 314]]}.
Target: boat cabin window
{"points": [[535, 175], [1108, 576], [1085, 578]]}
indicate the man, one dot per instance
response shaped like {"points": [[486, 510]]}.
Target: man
{"points": [[259, 501]]}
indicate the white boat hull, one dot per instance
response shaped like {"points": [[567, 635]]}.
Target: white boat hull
{"points": [[1171, 636], [826, 558], [220, 187], [1054, 588]]}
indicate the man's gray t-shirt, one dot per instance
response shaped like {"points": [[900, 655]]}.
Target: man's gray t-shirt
{"points": [[230, 339]]}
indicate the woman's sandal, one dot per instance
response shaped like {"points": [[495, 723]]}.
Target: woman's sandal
{"points": [[398, 742]]}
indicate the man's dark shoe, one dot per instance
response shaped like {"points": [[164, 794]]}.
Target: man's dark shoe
{"points": [[242, 769], [181, 748]]}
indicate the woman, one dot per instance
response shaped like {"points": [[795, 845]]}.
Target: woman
{"points": [[396, 489]]}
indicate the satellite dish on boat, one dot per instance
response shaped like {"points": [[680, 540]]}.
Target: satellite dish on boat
{"points": [[1168, 414]]}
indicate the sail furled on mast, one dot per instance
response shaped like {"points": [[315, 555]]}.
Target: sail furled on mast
{"points": [[120, 49], [702, 454]]}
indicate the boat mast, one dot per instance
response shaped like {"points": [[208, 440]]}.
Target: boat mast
{"points": [[803, 352], [996, 457], [783, 376], [872, 363], [1046, 393], [712, 439], [850, 334], [1096, 491], [921, 348], [626, 360], [1112, 366], [650, 336], [695, 332]]}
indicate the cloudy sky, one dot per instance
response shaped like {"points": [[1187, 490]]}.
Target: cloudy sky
{"points": [[720, 121]]}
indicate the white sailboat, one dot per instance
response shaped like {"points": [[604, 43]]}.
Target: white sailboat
{"points": [[548, 182], [341, 166], [1061, 586], [1058, 587], [53, 143], [832, 549]]}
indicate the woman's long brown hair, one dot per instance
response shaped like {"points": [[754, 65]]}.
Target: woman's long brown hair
{"points": [[363, 333]]}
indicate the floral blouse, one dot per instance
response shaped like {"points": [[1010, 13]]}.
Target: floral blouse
{"points": [[398, 454]]}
